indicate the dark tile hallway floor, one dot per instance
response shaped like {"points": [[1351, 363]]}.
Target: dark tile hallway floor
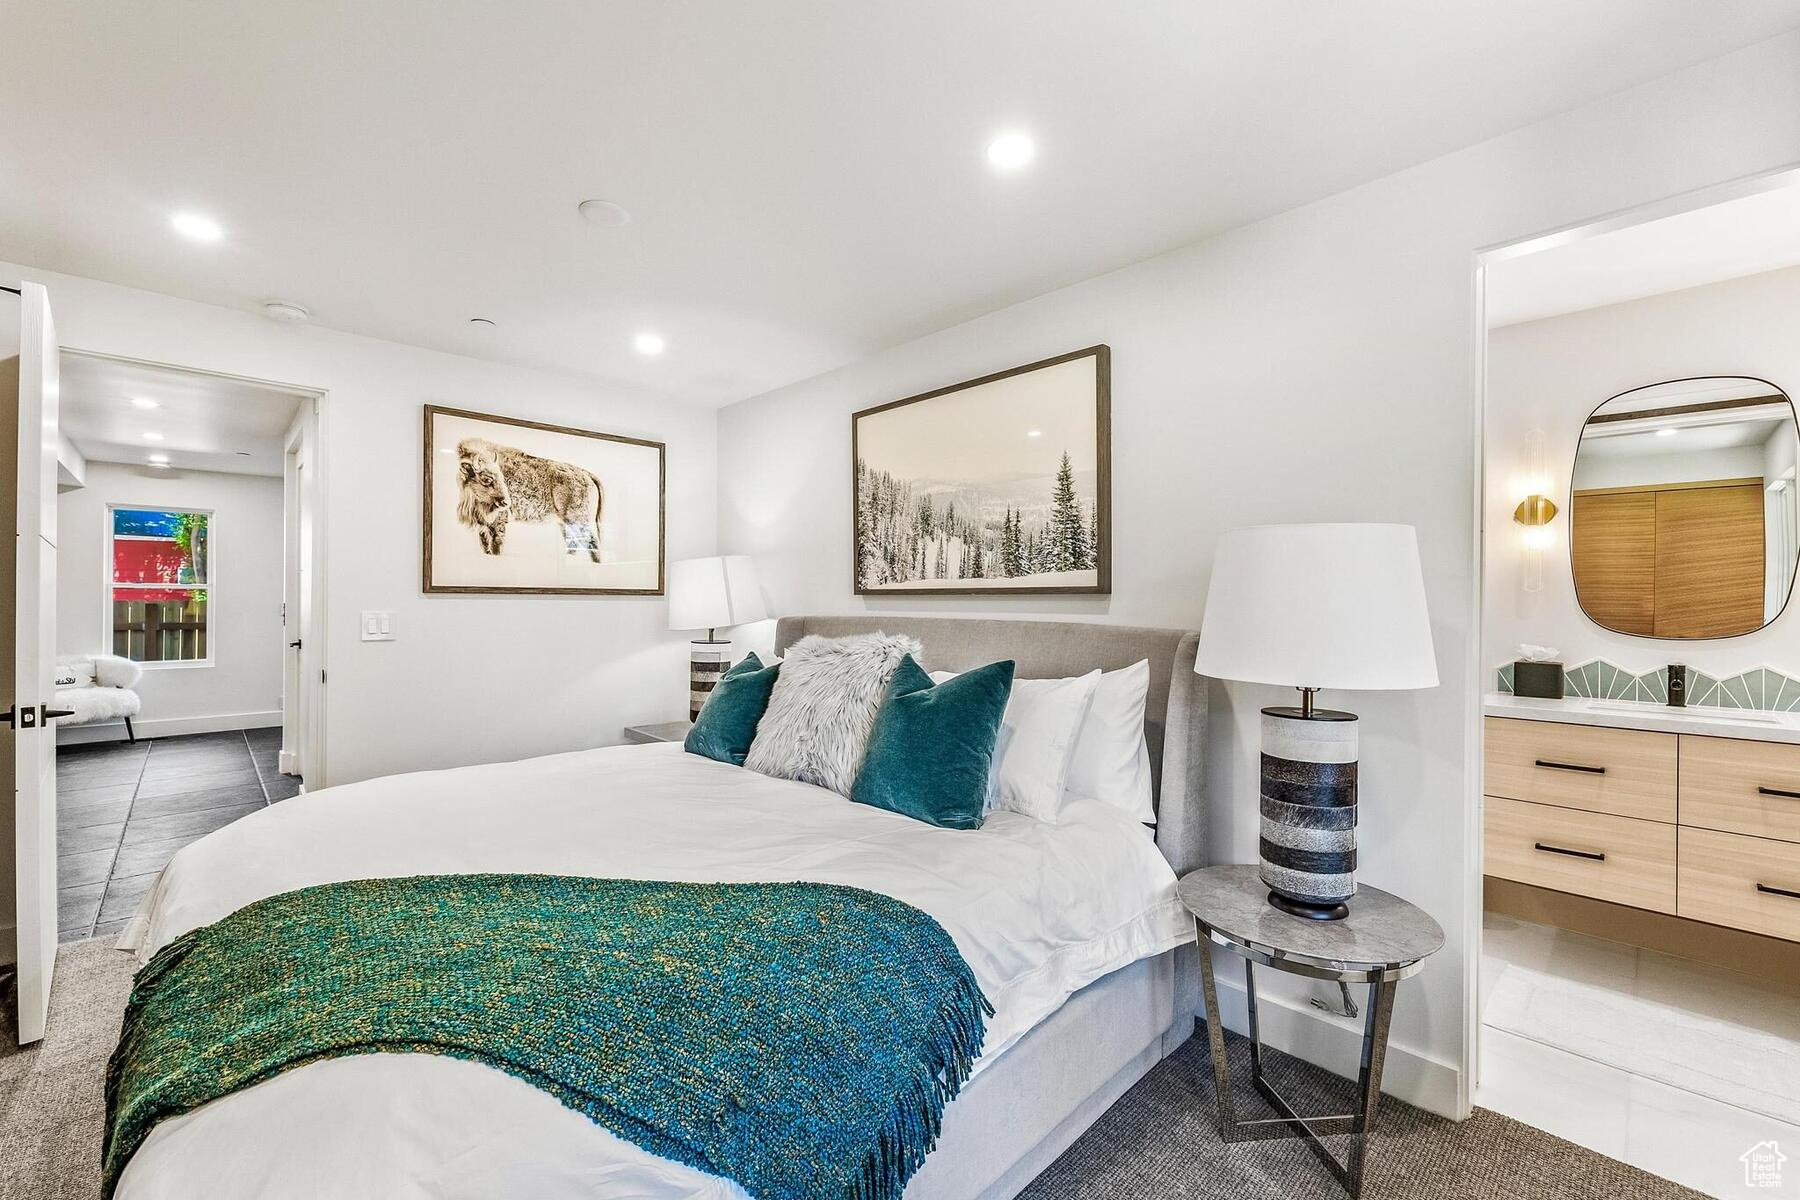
{"points": [[123, 810]]}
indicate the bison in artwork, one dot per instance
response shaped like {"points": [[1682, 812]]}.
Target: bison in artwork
{"points": [[502, 484]]}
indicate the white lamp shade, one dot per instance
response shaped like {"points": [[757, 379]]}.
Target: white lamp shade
{"points": [[707, 593], [1321, 606]]}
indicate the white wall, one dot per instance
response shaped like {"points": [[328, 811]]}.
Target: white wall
{"points": [[1549, 375], [1638, 470], [1319, 365], [242, 687], [469, 678]]}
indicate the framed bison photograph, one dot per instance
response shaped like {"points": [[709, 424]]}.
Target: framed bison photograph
{"points": [[520, 506]]}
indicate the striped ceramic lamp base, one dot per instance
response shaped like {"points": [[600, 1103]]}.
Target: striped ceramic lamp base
{"points": [[1309, 810], [707, 660]]}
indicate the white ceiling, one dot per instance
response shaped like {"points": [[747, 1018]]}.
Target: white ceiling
{"points": [[806, 177], [1724, 241], [205, 422]]}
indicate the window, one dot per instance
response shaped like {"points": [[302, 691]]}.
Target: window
{"points": [[161, 561]]}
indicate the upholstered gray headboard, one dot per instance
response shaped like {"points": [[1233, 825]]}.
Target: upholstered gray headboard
{"points": [[1174, 711]]}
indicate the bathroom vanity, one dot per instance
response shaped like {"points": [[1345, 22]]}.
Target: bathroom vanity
{"points": [[1690, 812]]}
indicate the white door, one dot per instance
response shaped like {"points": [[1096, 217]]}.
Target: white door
{"points": [[33, 654], [300, 690], [289, 763]]}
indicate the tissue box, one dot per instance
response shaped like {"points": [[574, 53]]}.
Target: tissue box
{"points": [[1543, 680]]}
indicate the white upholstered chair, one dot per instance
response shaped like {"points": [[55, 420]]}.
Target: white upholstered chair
{"points": [[96, 689]]}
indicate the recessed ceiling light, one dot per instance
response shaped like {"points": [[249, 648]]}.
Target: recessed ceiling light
{"points": [[143, 402], [196, 227], [1035, 433], [152, 436], [1667, 432], [604, 213], [1011, 150], [286, 312], [649, 343], [158, 460], [481, 323]]}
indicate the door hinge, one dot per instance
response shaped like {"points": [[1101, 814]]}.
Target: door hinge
{"points": [[321, 674]]}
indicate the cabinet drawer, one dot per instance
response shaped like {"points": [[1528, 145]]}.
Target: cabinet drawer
{"points": [[1611, 858], [1625, 772], [1741, 787], [1720, 878]]}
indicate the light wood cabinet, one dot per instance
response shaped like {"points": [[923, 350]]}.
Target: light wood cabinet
{"points": [[1709, 561], [1745, 882], [1682, 560], [1706, 828], [1619, 859], [1741, 787], [1613, 551], [1625, 772]]}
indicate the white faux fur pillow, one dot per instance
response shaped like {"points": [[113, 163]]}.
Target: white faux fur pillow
{"points": [[817, 723]]}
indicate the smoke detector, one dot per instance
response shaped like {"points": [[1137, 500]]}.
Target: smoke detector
{"points": [[285, 312], [603, 212]]}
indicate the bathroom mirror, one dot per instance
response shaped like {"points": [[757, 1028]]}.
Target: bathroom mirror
{"points": [[1682, 508]]}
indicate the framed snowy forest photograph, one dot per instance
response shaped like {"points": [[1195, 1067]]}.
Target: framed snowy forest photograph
{"points": [[998, 485]]}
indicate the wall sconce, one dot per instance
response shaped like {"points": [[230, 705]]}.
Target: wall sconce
{"points": [[1535, 512]]}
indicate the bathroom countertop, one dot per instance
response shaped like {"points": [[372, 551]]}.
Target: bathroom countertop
{"points": [[1751, 725]]}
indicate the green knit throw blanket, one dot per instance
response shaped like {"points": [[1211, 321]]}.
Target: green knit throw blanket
{"points": [[799, 1038]]}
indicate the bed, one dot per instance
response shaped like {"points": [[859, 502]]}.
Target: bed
{"points": [[1073, 930]]}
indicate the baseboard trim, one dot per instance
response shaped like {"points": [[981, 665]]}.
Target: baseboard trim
{"points": [[1335, 1043], [114, 731]]}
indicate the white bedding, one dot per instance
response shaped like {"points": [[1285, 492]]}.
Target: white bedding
{"points": [[1038, 912]]}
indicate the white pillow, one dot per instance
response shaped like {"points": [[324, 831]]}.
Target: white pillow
{"points": [[1112, 761], [1036, 739]]}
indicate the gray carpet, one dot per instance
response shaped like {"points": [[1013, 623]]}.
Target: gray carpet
{"points": [[52, 1097], [1158, 1143]]}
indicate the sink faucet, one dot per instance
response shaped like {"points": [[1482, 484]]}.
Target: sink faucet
{"points": [[1677, 685]]}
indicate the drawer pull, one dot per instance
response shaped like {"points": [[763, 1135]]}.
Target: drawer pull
{"points": [[1562, 766], [1775, 891], [1769, 791], [1593, 854]]}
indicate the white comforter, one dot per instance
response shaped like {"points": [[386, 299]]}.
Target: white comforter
{"points": [[1038, 912]]}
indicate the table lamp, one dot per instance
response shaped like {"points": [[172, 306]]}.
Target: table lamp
{"points": [[707, 593], [1311, 607]]}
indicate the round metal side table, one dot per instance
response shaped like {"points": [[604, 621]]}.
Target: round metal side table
{"points": [[1382, 941]]}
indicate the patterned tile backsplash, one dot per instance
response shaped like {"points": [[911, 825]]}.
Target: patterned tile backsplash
{"points": [[1759, 688]]}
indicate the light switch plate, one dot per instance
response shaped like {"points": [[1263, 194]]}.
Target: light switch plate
{"points": [[377, 626]]}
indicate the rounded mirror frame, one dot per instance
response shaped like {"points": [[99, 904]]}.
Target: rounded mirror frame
{"points": [[1574, 585]]}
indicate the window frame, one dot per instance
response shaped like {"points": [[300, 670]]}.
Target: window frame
{"points": [[210, 587]]}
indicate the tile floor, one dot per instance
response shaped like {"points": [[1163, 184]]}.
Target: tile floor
{"points": [[1670, 1065], [124, 809]]}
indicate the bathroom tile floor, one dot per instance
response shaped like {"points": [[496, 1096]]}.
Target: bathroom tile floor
{"points": [[124, 809], [1670, 1065]]}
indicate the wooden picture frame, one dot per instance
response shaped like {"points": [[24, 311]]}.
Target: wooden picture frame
{"points": [[495, 535], [979, 548]]}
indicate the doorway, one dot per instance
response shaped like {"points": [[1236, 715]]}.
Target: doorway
{"points": [[188, 528], [1638, 986], [170, 530]]}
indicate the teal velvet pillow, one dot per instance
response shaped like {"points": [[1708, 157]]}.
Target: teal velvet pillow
{"points": [[728, 722], [932, 745]]}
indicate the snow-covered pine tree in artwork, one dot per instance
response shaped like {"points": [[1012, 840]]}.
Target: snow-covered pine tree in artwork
{"points": [[905, 534], [1068, 549]]}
